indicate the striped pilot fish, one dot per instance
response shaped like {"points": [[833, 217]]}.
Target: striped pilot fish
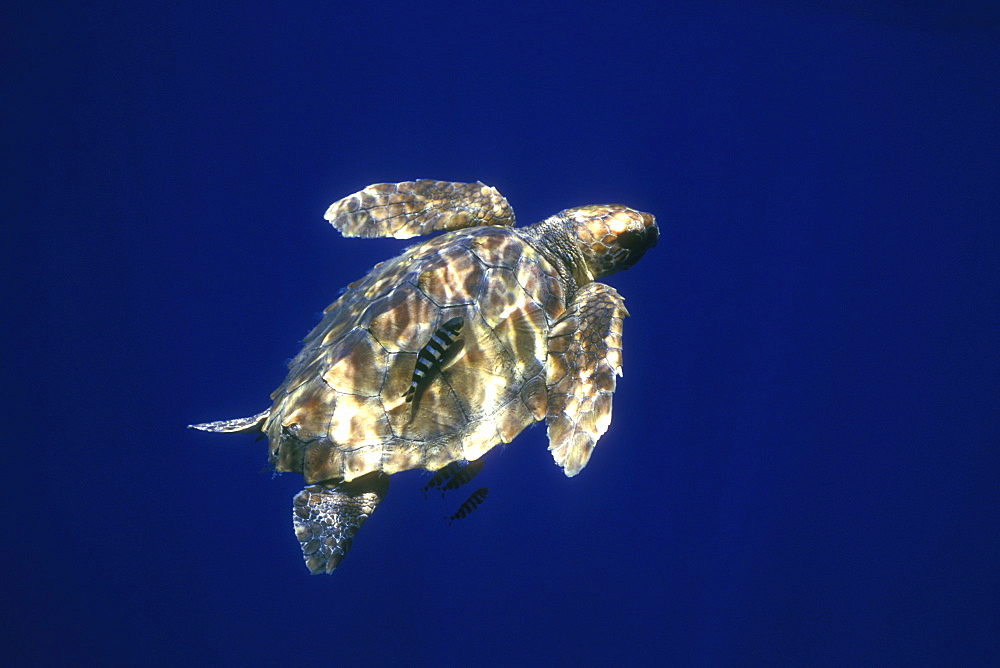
{"points": [[431, 354]]}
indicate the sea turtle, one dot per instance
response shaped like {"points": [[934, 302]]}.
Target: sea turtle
{"points": [[449, 349]]}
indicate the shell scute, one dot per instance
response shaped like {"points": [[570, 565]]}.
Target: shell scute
{"points": [[496, 247], [403, 320], [483, 374], [534, 396], [539, 280], [359, 365], [359, 421], [512, 418], [438, 411], [307, 411], [453, 278], [524, 332], [356, 462], [501, 295]]}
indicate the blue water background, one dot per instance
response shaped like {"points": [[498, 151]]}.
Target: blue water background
{"points": [[803, 462]]}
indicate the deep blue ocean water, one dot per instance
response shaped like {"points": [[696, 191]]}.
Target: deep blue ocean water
{"points": [[803, 463]]}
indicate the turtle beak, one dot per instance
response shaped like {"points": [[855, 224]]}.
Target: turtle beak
{"points": [[639, 240], [652, 231]]}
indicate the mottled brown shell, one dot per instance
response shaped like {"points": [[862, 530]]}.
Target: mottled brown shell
{"points": [[341, 412]]}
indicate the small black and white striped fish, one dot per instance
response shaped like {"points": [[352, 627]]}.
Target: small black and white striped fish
{"points": [[431, 354], [467, 473], [443, 474], [470, 504]]}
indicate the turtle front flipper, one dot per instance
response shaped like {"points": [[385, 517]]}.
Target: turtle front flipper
{"points": [[584, 358], [411, 208], [327, 515]]}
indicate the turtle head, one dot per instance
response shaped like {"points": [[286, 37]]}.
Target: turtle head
{"points": [[611, 237]]}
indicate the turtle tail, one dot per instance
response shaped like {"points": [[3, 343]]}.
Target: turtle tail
{"points": [[328, 514], [248, 425]]}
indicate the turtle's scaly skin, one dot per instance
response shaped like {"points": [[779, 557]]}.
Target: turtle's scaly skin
{"points": [[538, 338]]}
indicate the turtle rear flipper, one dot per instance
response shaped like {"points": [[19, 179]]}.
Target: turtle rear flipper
{"points": [[248, 425], [327, 515]]}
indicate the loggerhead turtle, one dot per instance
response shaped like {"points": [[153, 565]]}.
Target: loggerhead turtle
{"points": [[449, 349]]}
